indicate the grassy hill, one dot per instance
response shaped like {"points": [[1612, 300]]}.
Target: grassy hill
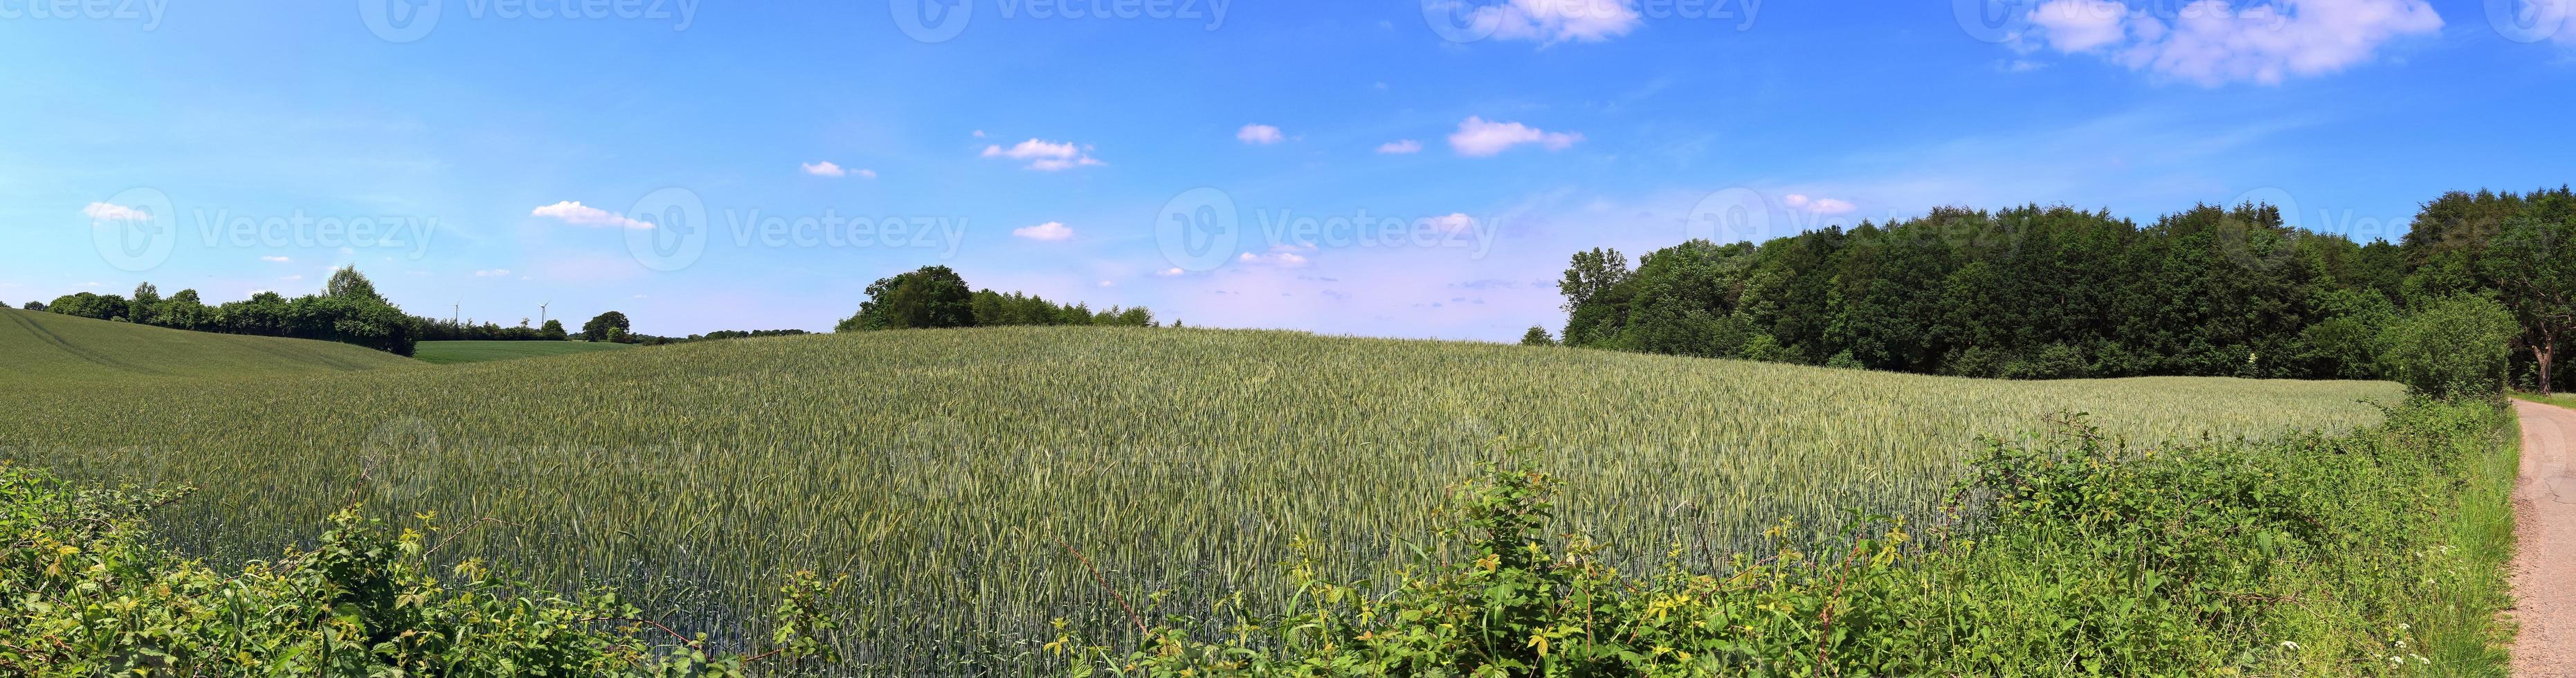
{"points": [[49, 349], [452, 352], [942, 467]]}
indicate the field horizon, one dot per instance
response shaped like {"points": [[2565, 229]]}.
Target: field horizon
{"points": [[940, 466]]}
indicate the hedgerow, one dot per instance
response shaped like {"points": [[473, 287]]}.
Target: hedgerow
{"points": [[87, 594], [2377, 552]]}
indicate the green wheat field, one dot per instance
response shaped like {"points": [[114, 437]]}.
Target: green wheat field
{"points": [[953, 473]]}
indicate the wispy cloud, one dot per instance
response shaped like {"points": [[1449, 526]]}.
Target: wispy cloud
{"points": [[113, 212], [578, 214], [1052, 231], [1046, 156], [1478, 138], [1259, 135], [2211, 42], [1400, 147]]}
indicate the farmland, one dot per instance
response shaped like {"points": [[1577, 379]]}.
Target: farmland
{"points": [[942, 467], [452, 352]]}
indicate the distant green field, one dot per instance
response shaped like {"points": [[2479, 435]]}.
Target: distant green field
{"points": [[39, 349], [452, 352], [940, 467]]}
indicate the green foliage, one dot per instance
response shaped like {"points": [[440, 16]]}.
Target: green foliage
{"points": [[929, 297], [940, 467], [552, 331], [89, 595], [350, 313], [2531, 263], [2079, 555], [2056, 293], [1537, 336], [2454, 348], [609, 327]]}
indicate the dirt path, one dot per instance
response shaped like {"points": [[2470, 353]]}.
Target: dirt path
{"points": [[2544, 564]]}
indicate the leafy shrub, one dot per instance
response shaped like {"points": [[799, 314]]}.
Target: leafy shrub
{"points": [[2457, 347], [2080, 555], [88, 596]]}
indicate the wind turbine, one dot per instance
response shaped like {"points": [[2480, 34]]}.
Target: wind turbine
{"points": [[541, 311]]}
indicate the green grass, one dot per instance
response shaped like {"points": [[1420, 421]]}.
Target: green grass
{"points": [[942, 467], [453, 352], [2559, 399], [49, 349]]}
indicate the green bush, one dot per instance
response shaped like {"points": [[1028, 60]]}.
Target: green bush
{"points": [[2453, 348], [2374, 553], [87, 595]]}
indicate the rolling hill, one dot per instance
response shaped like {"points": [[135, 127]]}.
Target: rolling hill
{"points": [[49, 348], [942, 467], [453, 352]]}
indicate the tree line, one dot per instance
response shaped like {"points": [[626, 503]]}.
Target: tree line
{"points": [[2052, 292], [937, 297], [347, 310]]}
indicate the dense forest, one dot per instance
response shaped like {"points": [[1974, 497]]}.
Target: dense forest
{"points": [[2051, 292]]}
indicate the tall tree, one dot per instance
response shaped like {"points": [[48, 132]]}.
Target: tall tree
{"points": [[611, 327], [2532, 267], [347, 283], [929, 297]]}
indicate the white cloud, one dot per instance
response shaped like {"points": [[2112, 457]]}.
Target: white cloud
{"points": [[1823, 206], [293, 278], [577, 214], [1554, 21], [2211, 42], [1259, 135], [639, 296], [1456, 222], [2081, 25], [1400, 147], [113, 212], [275, 259], [1050, 231], [1478, 138], [865, 173], [824, 169], [493, 273], [1045, 156], [1273, 259], [1106, 283], [1169, 272]]}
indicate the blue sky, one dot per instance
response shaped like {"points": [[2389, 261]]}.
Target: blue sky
{"points": [[1377, 168]]}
